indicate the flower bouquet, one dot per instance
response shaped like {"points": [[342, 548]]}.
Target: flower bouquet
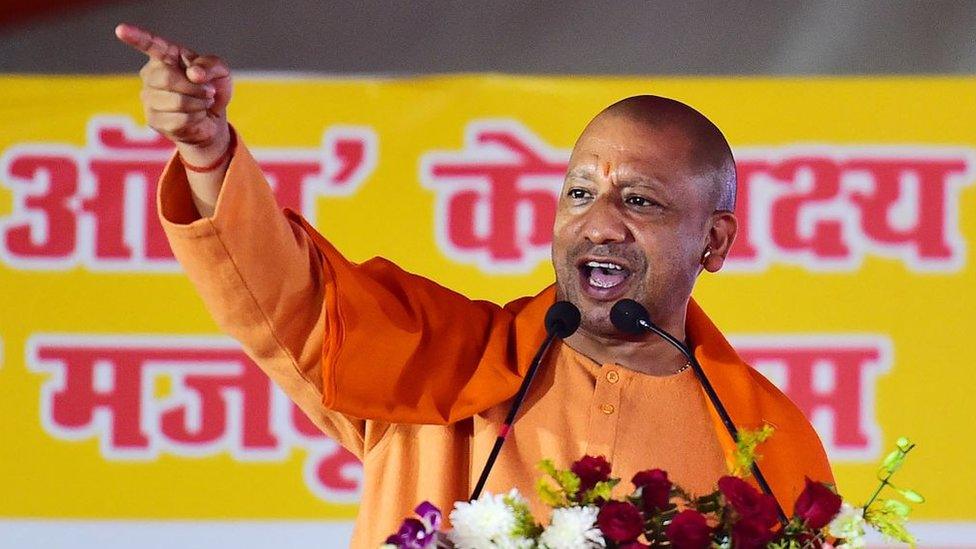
{"points": [[658, 513]]}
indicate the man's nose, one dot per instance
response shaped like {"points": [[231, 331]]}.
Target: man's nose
{"points": [[604, 223]]}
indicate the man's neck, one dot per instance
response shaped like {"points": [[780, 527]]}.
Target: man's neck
{"points": [[647, 353]]}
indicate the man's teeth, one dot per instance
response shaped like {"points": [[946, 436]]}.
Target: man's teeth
{"points": [[605, 274], [597, 264]]}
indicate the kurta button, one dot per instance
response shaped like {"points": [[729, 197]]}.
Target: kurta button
{"points": [[613, 376], [607, 408]]}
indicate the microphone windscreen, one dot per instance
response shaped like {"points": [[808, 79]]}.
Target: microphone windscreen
{"points": [[627, 314], [562, 319]]}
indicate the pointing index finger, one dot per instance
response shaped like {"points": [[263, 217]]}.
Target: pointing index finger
{"points": [[148, 43]]}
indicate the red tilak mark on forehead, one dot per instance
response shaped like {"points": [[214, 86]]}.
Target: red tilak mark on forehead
{"points": [[606, 169]]}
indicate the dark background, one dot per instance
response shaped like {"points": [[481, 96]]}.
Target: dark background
{"points": [[574, 36]]}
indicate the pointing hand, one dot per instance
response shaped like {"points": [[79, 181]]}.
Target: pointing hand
{"points": [[184, 95]]}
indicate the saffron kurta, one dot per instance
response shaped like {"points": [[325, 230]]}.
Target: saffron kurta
{"points": [[415, 379]]}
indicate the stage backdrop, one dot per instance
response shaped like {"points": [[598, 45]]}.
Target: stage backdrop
{"points": [[129, 421]]}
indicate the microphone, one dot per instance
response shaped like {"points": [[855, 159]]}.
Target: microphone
{"points": [[562, 320], [631, 317]]}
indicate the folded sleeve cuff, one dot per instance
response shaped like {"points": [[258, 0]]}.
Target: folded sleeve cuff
{"points": [[176, 209]]}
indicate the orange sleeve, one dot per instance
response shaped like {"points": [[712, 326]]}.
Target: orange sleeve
{"points": [[344, 340], [401, 348], [258, 276]]}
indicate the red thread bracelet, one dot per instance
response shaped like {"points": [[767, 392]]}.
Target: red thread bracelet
{"points": [[231, 145]]}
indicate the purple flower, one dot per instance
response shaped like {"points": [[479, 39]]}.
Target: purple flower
{"points": [[410, 536], [430, 515], [418, 533]]}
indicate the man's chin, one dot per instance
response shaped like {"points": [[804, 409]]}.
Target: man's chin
{"points": [[595, 318], [600, 327], [594, 309]]}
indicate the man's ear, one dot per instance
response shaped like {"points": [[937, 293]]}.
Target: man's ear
{"points": [[721, 234]]}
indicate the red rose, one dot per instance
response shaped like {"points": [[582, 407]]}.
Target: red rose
{"points": [[620, 521], [633, 545], [817, 505], [747, 501], [689, 530], [751, 533], [591, 470], [655, 488]]}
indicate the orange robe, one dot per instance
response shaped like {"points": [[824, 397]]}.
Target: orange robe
{"points": [[415, 379]]}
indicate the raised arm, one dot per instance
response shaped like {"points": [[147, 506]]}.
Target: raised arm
{"points": [[257, 273], [344, 340]]}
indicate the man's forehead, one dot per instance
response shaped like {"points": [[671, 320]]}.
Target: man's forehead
{"points": [[623, 137], [649, 153], [592, 167]]}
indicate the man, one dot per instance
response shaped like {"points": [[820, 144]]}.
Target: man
{"points": [[414, 378]]}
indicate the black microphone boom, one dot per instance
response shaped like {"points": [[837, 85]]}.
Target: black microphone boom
{"points": [[631, 317], [562, 320]]}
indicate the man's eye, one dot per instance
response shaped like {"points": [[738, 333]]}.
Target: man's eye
{"points": [[640, 201], [578, 194]]}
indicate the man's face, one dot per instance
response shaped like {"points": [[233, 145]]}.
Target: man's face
{"points": [[632, 222]]}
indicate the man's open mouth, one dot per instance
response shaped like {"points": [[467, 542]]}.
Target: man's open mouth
{"points": [[603, 278]]}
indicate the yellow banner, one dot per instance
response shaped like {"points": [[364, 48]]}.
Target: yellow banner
{"points": [[851, 284]]}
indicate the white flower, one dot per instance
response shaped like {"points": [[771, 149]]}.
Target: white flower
{"points": [[849, 526], [515, 542], [486, 522], [572, 528]]}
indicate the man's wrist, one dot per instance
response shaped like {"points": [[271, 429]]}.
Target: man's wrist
{"points": [[206, 154]]}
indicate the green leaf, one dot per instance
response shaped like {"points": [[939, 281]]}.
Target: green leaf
{"points": [[893, 461], [525, 524], [547, 467], [568, 485], [911, 495], [569, 482], [549, 495], [602, 489], [897, 507], [904, 444], [887, 519]]}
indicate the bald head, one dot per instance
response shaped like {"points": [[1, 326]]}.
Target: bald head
{"points": [[710, 153], [649, 189]]}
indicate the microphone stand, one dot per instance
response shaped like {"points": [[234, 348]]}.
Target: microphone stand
{"points": [[562, 319], [717, 403], [510, 418]]}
